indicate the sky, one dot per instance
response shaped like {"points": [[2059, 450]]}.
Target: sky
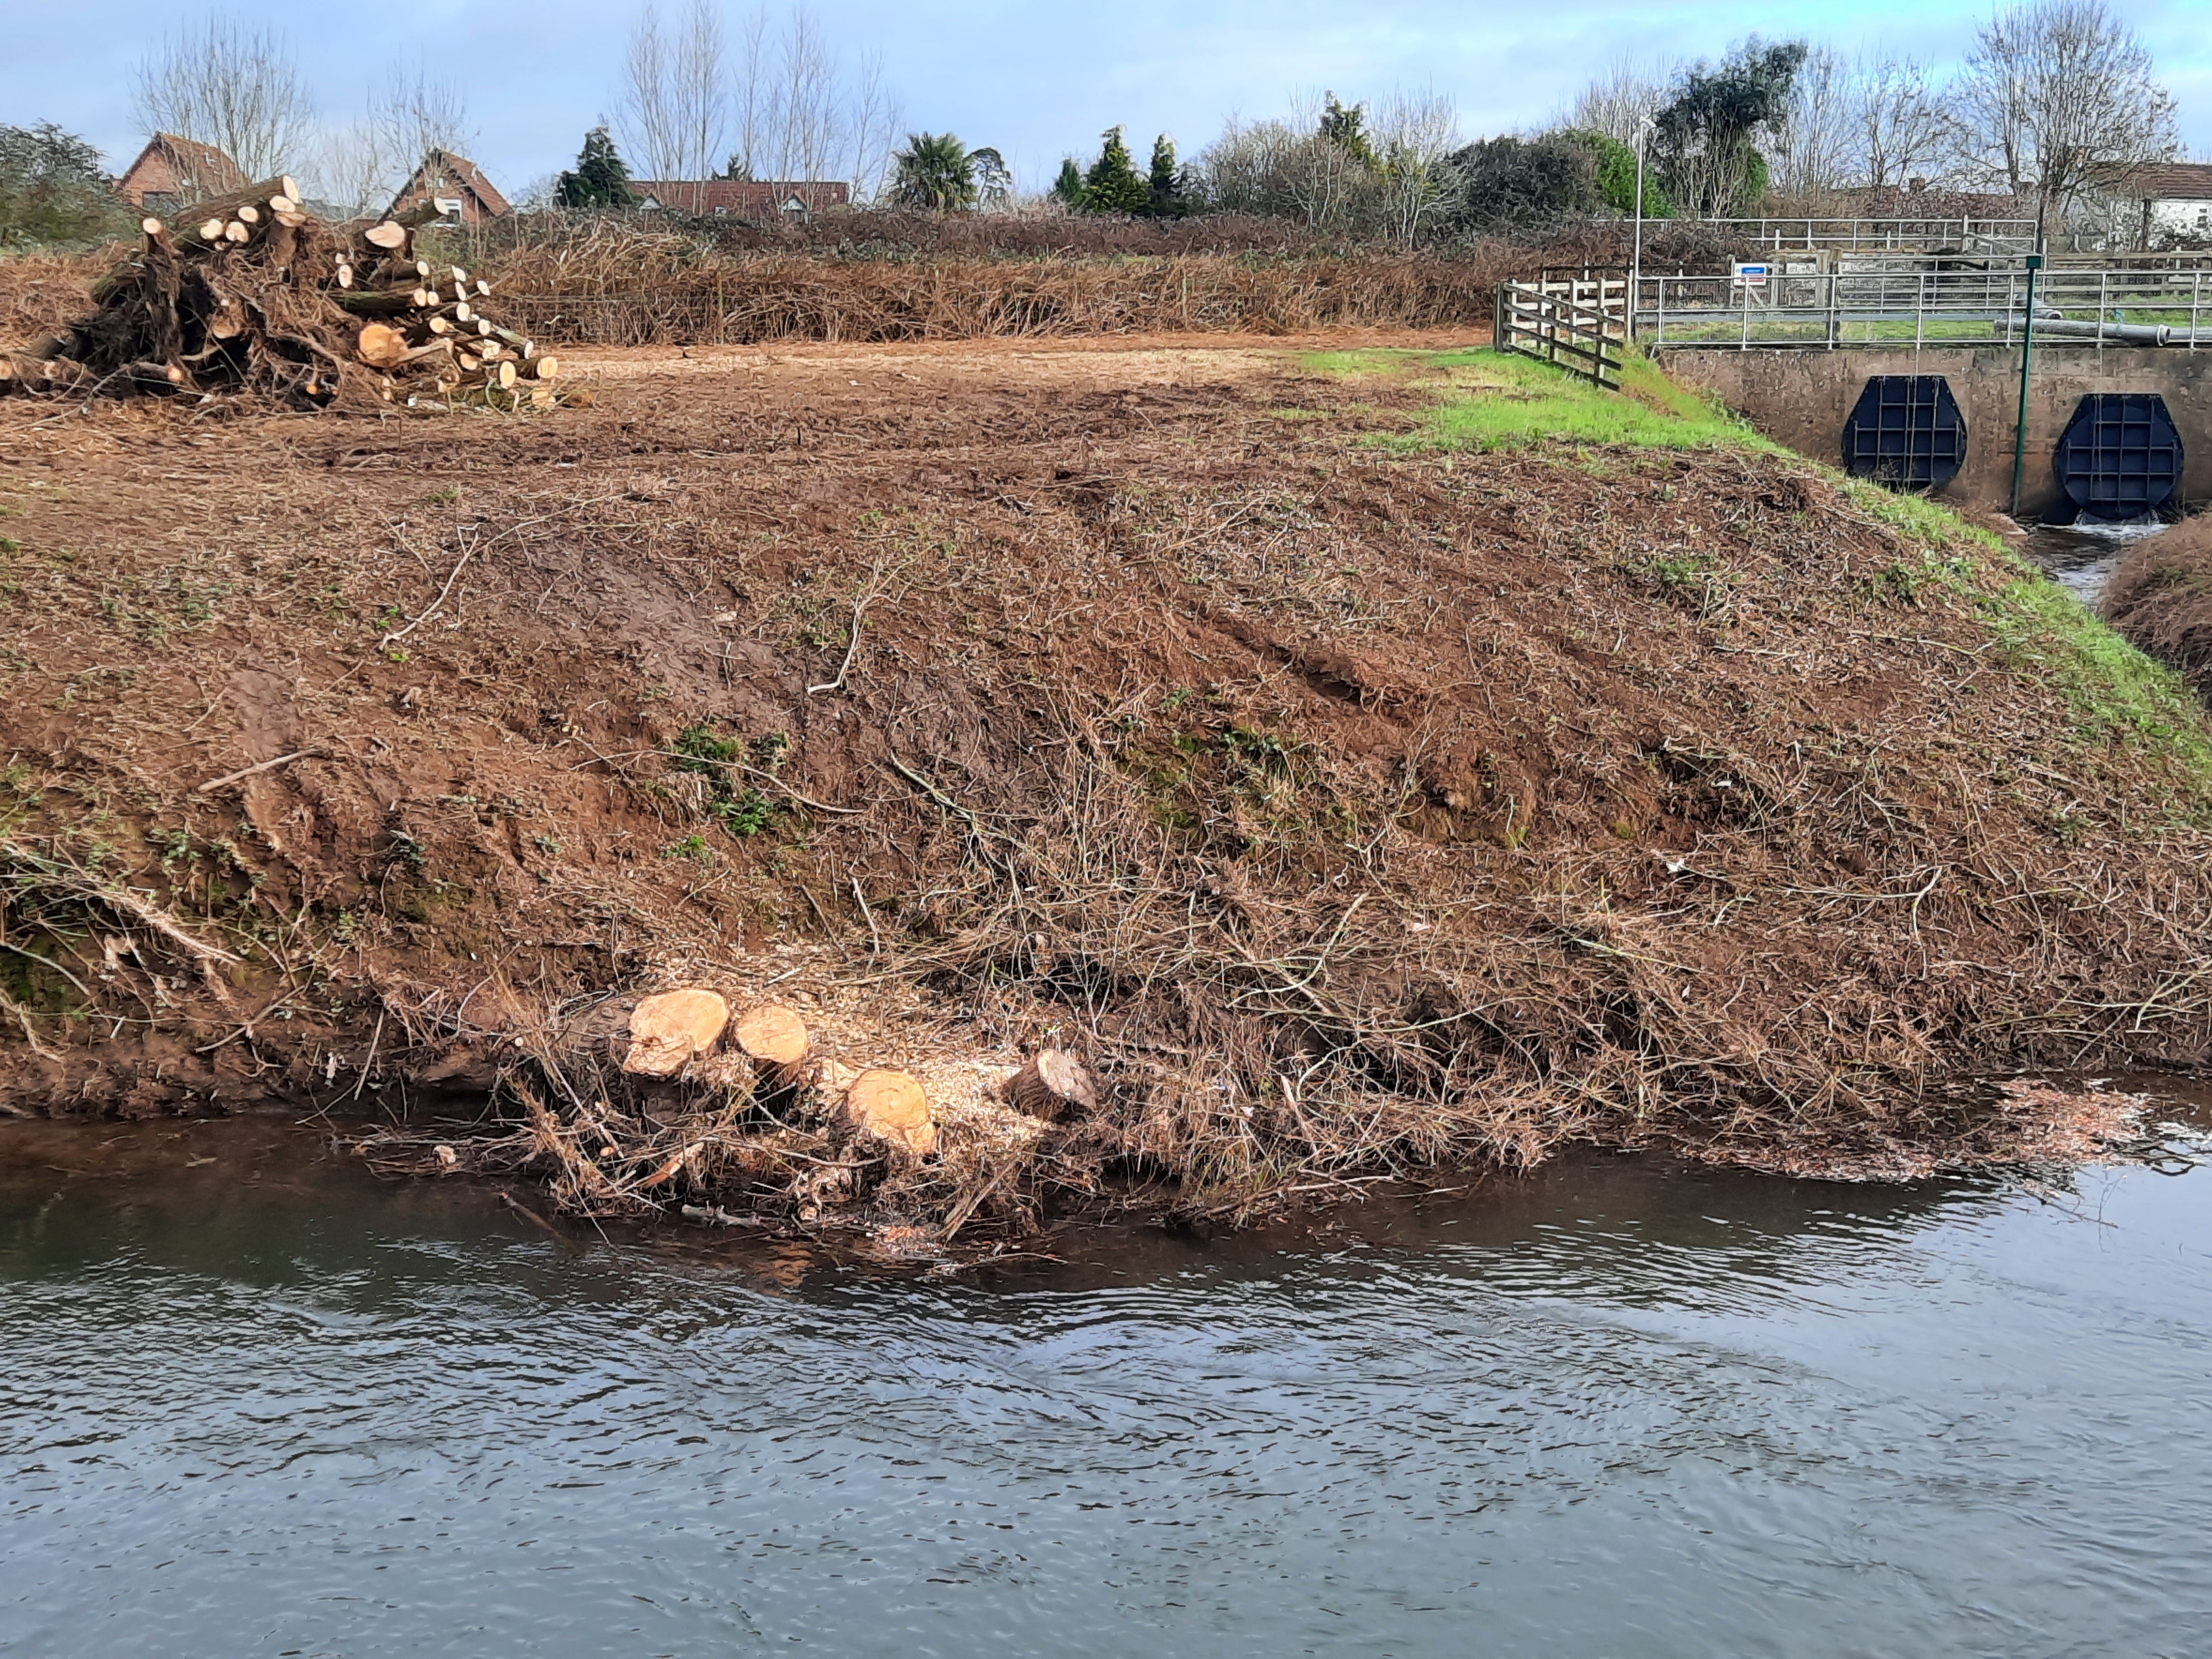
{"points": [[1036, 81]]}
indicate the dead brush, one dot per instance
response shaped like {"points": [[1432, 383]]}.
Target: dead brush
{"points": [[2160, 598]]}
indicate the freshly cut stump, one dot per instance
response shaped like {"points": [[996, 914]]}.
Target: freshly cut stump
{"points": [[1052, 1084], [774, 1039], [891, 1106], [666, 1031]]}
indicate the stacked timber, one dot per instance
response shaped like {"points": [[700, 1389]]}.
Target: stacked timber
{"points": [[250, 294]]}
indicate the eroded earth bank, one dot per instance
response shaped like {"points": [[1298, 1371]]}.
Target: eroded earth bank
{"points": [[1349, 801]]}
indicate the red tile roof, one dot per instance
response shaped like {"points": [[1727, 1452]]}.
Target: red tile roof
{"points": [[2159, 181], [442, 171], [742, 197]]}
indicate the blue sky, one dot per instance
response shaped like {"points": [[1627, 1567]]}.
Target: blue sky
{"points": [[1036, 81]]}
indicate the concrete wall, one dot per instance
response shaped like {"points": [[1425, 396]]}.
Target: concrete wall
{"points": [[1800, 398]]}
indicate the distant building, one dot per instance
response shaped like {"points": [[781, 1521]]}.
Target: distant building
{"points": [[456, 186], [1915, 200], [172, 172], [2150, 204], [732, 198]]}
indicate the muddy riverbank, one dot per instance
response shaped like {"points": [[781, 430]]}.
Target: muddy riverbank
{"points": [[1356, 798]]}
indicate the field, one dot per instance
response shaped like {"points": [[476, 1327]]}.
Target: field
{"points": [[1363, 780]]}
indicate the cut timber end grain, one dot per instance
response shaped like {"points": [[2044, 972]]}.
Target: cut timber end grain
{"points": [[774, 1039], [249, 216], [891, 1106], [210, 230], [505, 375], [151, 227], [390, 235], [1051, 1083], [380, 346], [666, 1031], [545, 367], [280, 202], [235, 231]]}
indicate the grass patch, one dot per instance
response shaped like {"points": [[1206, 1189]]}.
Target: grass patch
{"points": [[2116, 692], [1490, 400]]}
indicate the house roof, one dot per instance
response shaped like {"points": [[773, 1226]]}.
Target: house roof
{"points": [[1900, 201], [466, 175], [740, 196], [2160, 181], [210, 170]]}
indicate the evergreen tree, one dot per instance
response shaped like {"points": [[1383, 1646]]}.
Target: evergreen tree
{"points": [[52, 189], [1706, 134], [600, 179], [1112, 184], [1168, 185], [934, 171], [1616, 174], [1067, 189], [1346, 128]]}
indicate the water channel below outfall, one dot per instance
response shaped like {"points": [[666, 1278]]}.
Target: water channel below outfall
{"points": [[254, 1401], [2081, 557]]}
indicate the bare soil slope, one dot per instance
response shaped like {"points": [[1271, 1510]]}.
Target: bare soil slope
{"points": [[1351, 808]]}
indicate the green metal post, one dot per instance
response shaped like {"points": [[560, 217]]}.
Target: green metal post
{"points": [[2035, 263]]}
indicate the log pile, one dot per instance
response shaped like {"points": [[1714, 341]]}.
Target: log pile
{"points": [[675, 1101], [250, 295]]}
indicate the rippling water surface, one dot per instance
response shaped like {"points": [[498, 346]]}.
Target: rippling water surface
{"points": [[261, 1405]]}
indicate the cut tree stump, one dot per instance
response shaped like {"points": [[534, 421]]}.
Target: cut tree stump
{"points": [[666, 1031], [891, 1106], [774, 1039], [1053, 1083], [381, 346]]}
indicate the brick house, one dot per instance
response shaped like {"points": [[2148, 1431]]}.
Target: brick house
{"points": [[734, 198], [458, 187], [172, 172]]}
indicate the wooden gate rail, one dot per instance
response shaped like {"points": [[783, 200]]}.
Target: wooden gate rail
{"points": [[1550, 321]]}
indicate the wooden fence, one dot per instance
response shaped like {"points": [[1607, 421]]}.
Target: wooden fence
{"points": [[1578, 321]]}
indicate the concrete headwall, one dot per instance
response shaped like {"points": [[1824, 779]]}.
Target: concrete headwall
{"points": [[1800, 398]]}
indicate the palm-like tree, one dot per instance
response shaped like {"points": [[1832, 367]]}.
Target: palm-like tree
{"points": [[934, 171]]}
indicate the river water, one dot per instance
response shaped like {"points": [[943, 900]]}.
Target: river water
{"points": [[253, 1401]]}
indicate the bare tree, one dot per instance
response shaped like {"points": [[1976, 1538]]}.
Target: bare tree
{"points": [[347, 169], [1814, 154], [2056, 93], [1905, 125], [1414, 132], [675, 95], [413, 117], [753, 102], [808, 125], [1619, 100], [874, 121], [234, 88]]}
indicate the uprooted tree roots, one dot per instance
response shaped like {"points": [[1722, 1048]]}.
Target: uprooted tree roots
{"points": [[250, 295]]}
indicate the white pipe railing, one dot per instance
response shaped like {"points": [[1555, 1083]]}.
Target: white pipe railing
{"points": [[1924, 306]]}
